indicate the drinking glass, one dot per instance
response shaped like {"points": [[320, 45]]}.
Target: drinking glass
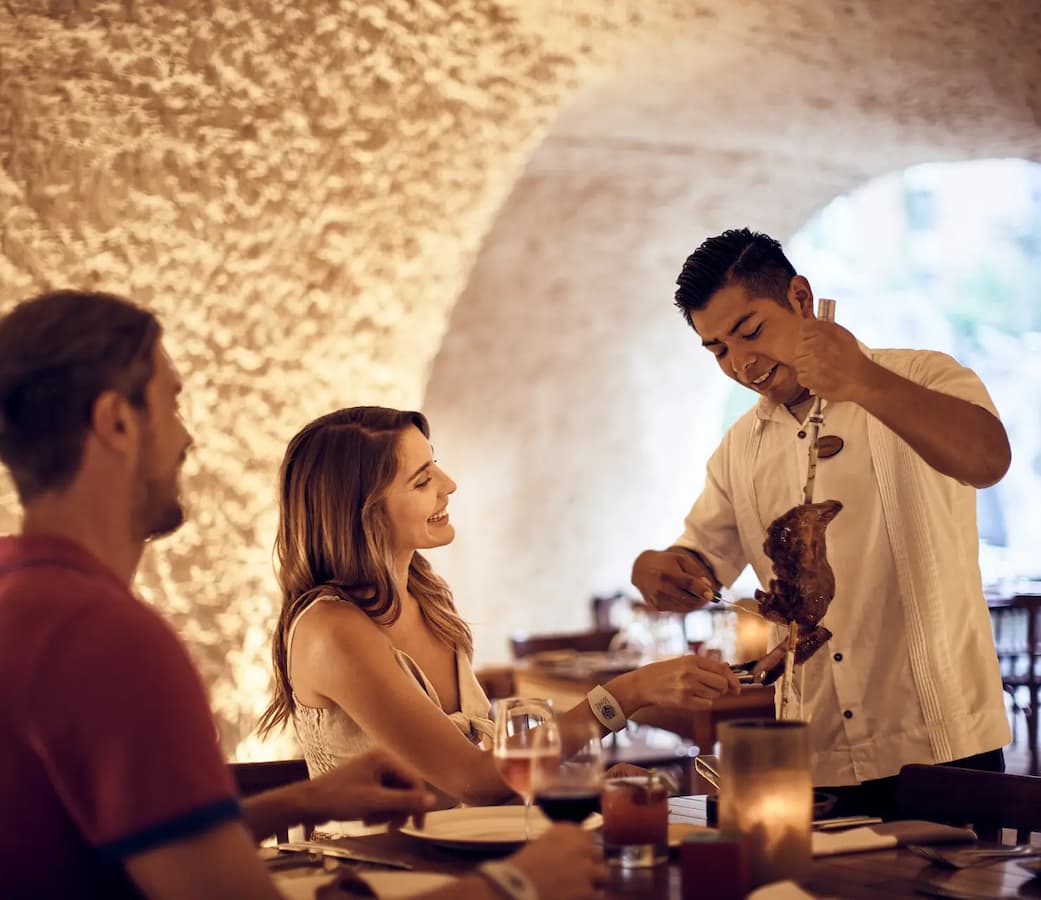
{"points": [[570, 792], [526, 741], [636, 821]]}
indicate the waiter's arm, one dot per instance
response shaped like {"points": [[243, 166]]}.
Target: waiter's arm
{"points": [[955, 436]]}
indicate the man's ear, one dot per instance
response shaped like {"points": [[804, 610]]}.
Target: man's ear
{"points": [[800, 297], [113, 422]]}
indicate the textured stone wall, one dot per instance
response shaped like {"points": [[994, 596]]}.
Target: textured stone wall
{"points": [[300, 189]]}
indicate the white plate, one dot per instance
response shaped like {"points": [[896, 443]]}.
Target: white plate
{"points": [[484, 827]]}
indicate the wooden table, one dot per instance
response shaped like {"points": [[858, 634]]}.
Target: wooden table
{"points": [[532, 679], [876, 875], [881, 874]]}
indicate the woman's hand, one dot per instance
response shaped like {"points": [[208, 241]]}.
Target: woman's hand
{"points": [[375, 787], [690, 681]]}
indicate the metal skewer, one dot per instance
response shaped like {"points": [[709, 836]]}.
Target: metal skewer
{"points": [[737, 607], [826, 313]]}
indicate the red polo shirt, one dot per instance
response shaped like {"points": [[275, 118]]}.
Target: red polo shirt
{"points": [[107, 744]]}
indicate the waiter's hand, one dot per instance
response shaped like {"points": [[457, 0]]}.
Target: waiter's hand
{"points": [[829, 362], [673, 580]]}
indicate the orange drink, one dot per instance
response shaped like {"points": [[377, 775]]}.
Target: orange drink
{"points": [[636, 818]]}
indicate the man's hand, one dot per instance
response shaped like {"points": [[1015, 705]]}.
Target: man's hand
{"points": [[563, 864], [375, 787], [673, 580], [829, 361]]}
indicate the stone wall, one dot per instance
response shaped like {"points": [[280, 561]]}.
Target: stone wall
{"points": [[301, 189]]}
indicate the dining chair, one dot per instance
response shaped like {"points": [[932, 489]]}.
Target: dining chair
{"points": [[595, 641], [497, 682], [1016, 622], [988, 802], [257, 777]]}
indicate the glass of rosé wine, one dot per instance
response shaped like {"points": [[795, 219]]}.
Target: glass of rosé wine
{"points": [[527, 742]]}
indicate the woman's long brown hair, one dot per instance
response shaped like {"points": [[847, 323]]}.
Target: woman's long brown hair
{"points": [[334, 535]]}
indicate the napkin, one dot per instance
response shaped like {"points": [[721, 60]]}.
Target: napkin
{"points": [[386, 885], [886, 836]]}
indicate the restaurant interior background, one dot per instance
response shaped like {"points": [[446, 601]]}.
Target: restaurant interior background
{"points": [[479, 208]]}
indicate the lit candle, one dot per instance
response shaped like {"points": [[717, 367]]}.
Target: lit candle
{"points": [[766, 795]]}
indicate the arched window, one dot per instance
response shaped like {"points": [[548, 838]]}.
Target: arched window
{"points": [[947, 256]]}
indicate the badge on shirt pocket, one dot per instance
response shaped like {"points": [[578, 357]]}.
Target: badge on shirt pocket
{"points": [[828, 445]]}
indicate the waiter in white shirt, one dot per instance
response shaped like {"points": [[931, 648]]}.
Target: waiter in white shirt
{"points": [[910, 674]]}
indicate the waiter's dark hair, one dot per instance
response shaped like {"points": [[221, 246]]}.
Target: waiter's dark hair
{"points": [[737, 256], [58, 353]]}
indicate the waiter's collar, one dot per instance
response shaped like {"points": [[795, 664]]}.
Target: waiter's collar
{"points": [[766, 409]]}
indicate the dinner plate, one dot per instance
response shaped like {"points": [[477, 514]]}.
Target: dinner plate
{"points": [[484, 827]]}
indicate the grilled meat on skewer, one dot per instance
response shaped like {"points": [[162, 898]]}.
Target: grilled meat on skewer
{"points": [[805, 584]]}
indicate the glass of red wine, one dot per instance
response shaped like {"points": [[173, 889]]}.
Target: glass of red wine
{"points": [[570, 791], [527, 743]]}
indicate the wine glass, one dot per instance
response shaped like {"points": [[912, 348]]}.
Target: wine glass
{"points": [[526, 741], [570, 792]]}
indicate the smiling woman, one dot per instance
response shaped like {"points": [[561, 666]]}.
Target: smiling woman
{"points": [[332, 559], [369, 649]]}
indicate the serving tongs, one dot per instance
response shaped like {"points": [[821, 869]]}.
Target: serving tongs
{"points": [[761, 671]]}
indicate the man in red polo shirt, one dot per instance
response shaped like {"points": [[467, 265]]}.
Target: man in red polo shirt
{"points": [[109, 764], [112, 781]]}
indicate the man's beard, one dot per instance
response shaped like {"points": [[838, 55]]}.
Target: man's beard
{"points": [[164, 517], [157, 505]]}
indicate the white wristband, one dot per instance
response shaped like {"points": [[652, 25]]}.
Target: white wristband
{"points": [[606, 708], [510, 880]]}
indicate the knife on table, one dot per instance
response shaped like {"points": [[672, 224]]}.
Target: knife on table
{"points": [[343, 853]]}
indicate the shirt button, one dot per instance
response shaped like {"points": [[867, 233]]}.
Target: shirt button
{"points": [[848, 714], [802, 434], [837, 657]]}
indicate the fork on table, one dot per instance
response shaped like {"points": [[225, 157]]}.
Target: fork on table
{"points": [[963, 859]]}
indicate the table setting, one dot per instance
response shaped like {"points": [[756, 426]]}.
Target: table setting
{"points": [[765, 834]]}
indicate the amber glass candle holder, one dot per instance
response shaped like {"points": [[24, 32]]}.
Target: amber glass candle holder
{"points": [[766, 795]]}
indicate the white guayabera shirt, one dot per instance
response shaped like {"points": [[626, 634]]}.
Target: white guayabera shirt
{"points": [[910, 674]]}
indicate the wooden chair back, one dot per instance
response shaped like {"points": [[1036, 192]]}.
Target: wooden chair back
{"points": [[497, 682], [986, 801], [257, 777], [598, 641]]}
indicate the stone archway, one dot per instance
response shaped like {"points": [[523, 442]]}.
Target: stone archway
{"points": [[569, 399]]}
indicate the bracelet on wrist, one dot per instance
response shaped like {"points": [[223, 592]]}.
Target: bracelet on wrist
{"points": [[508, 880], [606, 708]]}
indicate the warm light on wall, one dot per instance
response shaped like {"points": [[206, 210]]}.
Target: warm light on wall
{"points": [[753, 633], [300, 199]]}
